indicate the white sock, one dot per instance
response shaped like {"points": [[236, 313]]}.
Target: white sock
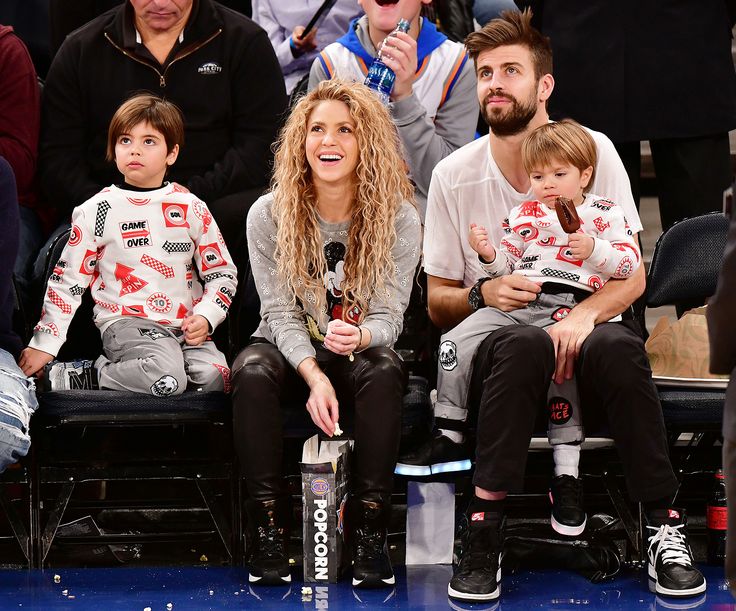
{"points": [[567, 458], [455, 436]]}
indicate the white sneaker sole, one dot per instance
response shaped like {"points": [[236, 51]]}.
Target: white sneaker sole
{"points": [[467, 596], [569, 531], [256, 579], [389, 582], [657, 589]]}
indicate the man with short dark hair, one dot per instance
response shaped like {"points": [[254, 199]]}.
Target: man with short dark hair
{"points": [[512, 369]]}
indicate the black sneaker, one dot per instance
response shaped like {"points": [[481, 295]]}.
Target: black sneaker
{"points": [[478, 573], [71, 375], [438, 455], [566, 496], [670, 566], [268, 525], [371, 564]]}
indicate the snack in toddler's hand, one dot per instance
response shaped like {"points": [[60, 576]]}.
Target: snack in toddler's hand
{"points": [[567, 215], [338, 430]]}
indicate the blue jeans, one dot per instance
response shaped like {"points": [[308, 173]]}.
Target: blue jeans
{"points": [[485, 10], [17, 403]]}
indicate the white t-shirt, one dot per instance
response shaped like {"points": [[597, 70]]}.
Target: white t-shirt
{"points": [[467, 187]]}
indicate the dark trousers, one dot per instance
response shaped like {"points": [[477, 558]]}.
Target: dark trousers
{"points": [[513, 368], [264, 384], [692, 174]]}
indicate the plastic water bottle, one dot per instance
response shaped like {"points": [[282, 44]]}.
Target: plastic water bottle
{"points": [[380, 77]]}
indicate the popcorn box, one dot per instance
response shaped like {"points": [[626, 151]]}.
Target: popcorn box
{"points": [[325, 469]]}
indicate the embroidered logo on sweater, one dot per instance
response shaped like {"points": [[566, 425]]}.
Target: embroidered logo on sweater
{"points": [[210, 68]]}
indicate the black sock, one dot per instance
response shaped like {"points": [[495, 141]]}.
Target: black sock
{"points": [[478, 505], [651, 506]]}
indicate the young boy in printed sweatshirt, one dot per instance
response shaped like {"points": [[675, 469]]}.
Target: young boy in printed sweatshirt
{"points": [[136, 246]]}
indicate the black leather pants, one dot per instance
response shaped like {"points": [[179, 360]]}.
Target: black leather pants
{"points": [[370, 388]]}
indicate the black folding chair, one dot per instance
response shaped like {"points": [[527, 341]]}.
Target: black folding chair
{"points": [[175, 452]]}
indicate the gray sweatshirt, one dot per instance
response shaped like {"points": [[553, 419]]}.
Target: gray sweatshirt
{"points": [[285, 324]]}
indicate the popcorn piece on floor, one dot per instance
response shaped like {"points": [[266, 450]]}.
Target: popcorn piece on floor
{"points": [[147, 609], [64, 592], [57, 578], [306, 590], [169, 606]]}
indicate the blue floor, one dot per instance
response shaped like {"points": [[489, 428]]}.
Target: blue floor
{"points": [[422, 587]]}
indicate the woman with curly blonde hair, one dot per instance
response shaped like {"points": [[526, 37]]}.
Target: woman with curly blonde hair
{"points": [[333, 249]]}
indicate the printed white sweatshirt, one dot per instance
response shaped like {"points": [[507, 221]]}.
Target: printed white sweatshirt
{"points": [[137, 251]]}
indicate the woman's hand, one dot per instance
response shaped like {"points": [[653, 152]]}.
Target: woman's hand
{"points": [[32, 361], [342, 337], [322, 403]]}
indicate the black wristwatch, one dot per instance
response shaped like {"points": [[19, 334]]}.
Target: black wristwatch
{"points": [[475, 297]]}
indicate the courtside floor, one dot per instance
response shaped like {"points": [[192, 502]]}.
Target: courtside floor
{"points": [[418, 587]]}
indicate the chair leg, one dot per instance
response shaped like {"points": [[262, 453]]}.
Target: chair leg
{"points": [[222, 524], [16, 524], [55, 517], [624, 513]]}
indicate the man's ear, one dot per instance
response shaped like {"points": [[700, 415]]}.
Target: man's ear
{"points": [[173, 154], [545, 87]]}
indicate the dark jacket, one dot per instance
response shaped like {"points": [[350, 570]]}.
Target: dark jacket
{"points": [[20, 113], [642, 69], [721, 315], [9, 220], [224, 76]]}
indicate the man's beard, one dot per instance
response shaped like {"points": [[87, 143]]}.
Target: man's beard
{"points": [[514, 120]]}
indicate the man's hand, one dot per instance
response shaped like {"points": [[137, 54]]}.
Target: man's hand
{"points": [[196, 329], [399, 52], [581, 245], [509, 293], [342, 337], [568, 336], [32, 361], [300, 46], [480, 243]]}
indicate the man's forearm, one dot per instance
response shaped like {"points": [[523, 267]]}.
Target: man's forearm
{"points": [[615, 297], [448, 305]]}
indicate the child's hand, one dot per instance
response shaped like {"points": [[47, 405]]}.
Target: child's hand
{"points": [[196, 329], [581, 245], [479, 242], [306, 44], [32, 361]]}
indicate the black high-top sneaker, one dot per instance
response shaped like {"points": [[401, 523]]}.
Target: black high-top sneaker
{"points": [[371, 564], [670, 565], [478, 573], [268, 523], [566, 495]]}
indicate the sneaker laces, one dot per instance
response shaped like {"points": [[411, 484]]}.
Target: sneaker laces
{"points": [[568, 489], [270, 542], [476, 555], [370, 544], [672, 544]]}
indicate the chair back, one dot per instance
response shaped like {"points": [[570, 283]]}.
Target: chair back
{"points": [[686, 261]]}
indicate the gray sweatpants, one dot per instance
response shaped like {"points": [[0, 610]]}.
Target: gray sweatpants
{"points": [[457, 351], [144, 356]]}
